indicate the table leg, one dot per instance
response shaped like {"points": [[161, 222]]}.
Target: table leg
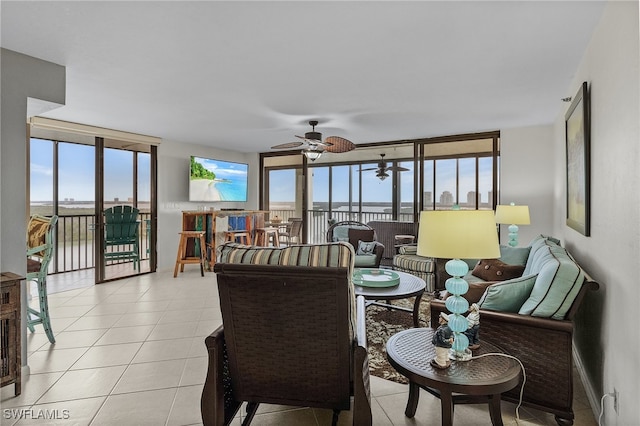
{"points": [[416, 311], [494, 410], [412, 403], [446, 401]]}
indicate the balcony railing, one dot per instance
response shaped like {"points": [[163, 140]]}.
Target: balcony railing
{"points": [[75, 249], [318, 220], [76, 234]]}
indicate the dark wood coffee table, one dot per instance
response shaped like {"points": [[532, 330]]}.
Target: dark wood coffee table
{"points": [[409, 286], [476, 381]]}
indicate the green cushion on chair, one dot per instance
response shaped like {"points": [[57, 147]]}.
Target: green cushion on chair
{"points": [[507, 296]]}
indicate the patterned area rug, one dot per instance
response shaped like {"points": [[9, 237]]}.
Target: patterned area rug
{"points": [[383, 323]]}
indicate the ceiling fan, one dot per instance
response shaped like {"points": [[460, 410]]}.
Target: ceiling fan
{"points": [[382, 169], [313, 146]]}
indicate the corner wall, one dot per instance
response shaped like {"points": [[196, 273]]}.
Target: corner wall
{"points": [[607, 346], [33, 85]]}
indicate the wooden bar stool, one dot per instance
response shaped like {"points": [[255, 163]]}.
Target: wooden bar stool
{"points": [[243, 236], [263, 235], [182, 257]]}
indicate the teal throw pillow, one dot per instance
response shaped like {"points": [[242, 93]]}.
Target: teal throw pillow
{"points": [[507, 296], [365, 247]]}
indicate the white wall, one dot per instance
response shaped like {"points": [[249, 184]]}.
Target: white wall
{"points": [[526, 177], [23, 77], [610, 348], [173, 191]]}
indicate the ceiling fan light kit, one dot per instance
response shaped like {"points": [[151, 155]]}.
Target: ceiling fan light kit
{"points": [[314, 146]]}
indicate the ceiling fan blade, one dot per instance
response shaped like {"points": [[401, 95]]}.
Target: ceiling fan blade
{"points": [[288, 145], [338, 144], [372, 168], [398, 168]]}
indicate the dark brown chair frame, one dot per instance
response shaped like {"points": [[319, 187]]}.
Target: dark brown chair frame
{"points": [[286, 339]]}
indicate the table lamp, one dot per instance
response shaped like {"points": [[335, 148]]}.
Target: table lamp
{"points": [[513, 216], [455, 235]]}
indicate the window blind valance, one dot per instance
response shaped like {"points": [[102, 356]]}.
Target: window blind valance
{"points": [[48, 124]]}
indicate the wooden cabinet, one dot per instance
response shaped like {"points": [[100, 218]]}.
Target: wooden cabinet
{"points": [[10, 330]]}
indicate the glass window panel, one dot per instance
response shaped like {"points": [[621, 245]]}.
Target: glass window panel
{"points": [[320, 188], [282, 191], [144, 182], [355, 187], [340, 189], [428, 198], [467, 183], [485, 182], [76, 178], [118, 177], [405, 186], [445, 184], [41, 177], [377, 196]]}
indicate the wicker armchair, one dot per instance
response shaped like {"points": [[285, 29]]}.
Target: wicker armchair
{"points": [[351, 231], [287, 338]]}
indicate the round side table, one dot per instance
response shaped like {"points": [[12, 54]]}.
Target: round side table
{"points": [[479, 380]]}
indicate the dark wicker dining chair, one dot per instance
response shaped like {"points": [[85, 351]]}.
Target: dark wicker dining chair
{"points": [[287, 338]]}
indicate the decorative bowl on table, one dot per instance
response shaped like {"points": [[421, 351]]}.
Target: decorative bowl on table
{"points": [[371, 277]]}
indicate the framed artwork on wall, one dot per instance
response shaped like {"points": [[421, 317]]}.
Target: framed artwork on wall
{"points": [[578, 135]]}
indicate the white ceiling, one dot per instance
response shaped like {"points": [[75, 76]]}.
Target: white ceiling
{"points": [[248, 75]]}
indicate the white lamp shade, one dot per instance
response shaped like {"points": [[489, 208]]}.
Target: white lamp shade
{"points": [[512, 215], [458, 234]]}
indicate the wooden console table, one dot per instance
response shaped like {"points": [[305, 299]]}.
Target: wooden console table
{"points": [[205, 220], [10, 330]]}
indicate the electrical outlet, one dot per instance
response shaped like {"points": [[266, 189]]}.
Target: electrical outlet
{"points": [[615, 400]]}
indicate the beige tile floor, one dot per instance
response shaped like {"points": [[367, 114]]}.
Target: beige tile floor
{"points": [[131, 352]]}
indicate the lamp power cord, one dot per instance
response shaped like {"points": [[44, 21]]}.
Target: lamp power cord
{"points": [[611, 394], [524, 376]]}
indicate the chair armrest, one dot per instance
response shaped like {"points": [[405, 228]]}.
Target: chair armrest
{"points": [[378, 251], [214, 393]]}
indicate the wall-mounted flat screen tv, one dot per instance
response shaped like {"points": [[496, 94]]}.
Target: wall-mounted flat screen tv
{"points": [[216, 180]]}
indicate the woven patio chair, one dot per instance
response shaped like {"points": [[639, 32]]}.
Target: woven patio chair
{"points": [[287, 338]]}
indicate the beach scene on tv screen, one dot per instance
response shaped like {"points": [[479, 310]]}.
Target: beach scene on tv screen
{"points": [[216, 180]]}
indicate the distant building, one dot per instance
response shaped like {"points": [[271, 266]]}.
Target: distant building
{"points": [[446, 198]]}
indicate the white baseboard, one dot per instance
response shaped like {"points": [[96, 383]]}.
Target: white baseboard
{"points": [[592, 396]]}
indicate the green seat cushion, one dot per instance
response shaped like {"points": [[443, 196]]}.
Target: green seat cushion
{"points": [[365, 261], [507, 296]]}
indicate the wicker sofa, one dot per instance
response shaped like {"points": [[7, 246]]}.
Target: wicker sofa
{"points": [[540, 332]]}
